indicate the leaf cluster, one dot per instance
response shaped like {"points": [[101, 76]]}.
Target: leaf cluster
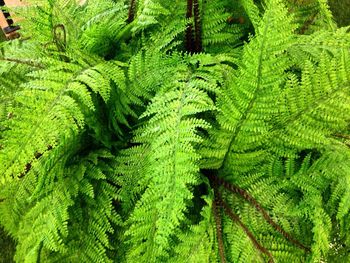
{"points": [[176, 131]]}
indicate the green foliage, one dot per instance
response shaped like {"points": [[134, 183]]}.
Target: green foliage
{"points": [[176, 131], [7, 247]]}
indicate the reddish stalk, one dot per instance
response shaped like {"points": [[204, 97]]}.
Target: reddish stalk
{"points": [[131, 13], [28, 166], [217, 216], [197, 27], [244, 194], [255, 242], [189, 41]]}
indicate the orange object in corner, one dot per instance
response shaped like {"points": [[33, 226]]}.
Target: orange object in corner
{"points": [[6, 21]]}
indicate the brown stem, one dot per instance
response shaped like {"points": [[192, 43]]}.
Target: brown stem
{"points": [[25, 62], [243, 193], [343, 136], [189, 34], [197, 27], [236, 219], [131, 13], [217, 216], [28, 166]]}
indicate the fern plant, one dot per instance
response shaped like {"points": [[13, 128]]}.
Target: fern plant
{"points": [[176, 131]]}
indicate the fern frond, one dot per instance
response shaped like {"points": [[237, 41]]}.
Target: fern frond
{"points": [[218, 31], [148, 13], [49, 95], [319, 85], [171, 135], [197, 244], [244, 103]]}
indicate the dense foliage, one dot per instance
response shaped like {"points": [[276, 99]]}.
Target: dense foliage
{"points": [[176, 131]]}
